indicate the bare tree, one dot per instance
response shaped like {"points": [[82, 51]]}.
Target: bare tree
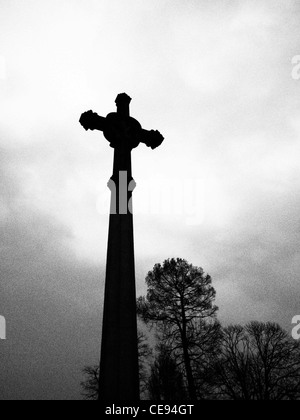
{"points": [[145, 354], [205, 340], [166, 380], [258, 362], [90, 386], [180, 299]]}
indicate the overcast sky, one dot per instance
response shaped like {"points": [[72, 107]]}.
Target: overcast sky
{"points": [[215, 78]]}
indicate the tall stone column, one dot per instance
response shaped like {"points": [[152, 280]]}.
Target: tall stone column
{"points": [[119, 372]]}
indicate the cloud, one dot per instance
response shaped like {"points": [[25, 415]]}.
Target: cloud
{"points": [[50, 299], [215, 78]]}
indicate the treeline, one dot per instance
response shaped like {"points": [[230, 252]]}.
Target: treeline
{"points": [[193, 357]]}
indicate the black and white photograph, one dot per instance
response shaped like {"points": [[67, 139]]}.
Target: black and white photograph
{"points": [[149, 203]]}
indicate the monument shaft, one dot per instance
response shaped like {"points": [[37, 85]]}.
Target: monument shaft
{"points": [[119, 366], [119, 375]]}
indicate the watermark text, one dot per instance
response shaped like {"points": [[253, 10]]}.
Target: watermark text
{"points": [[164, 197], [296, 329], [2, 328], [2, 68], [296, 67]]}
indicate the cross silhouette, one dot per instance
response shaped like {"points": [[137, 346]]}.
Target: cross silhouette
{"points": [[119, 367], [119, 128]]}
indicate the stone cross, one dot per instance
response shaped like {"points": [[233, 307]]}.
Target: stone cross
{"points": [[119, 371]]}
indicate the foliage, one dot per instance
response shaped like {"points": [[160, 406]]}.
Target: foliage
{"points": [[166, 380], [258, 362], [180, 304]]}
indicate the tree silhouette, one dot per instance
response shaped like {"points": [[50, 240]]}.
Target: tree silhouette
{"points": [[166, 380], [258, 362], [205, 340], [145, 354], [179, 300], [90, 386]]}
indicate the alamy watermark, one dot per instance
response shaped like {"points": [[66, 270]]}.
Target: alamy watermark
{"points": [[164, 197], [3, 73], [296, 329], [2, 328], [296, 67]]}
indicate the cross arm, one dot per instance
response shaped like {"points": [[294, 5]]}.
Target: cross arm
{"points": [[151, 138], [92, 121], [115, 127]]}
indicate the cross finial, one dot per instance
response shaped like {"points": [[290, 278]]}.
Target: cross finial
{"points": [[123, 102], [119, 128]]}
